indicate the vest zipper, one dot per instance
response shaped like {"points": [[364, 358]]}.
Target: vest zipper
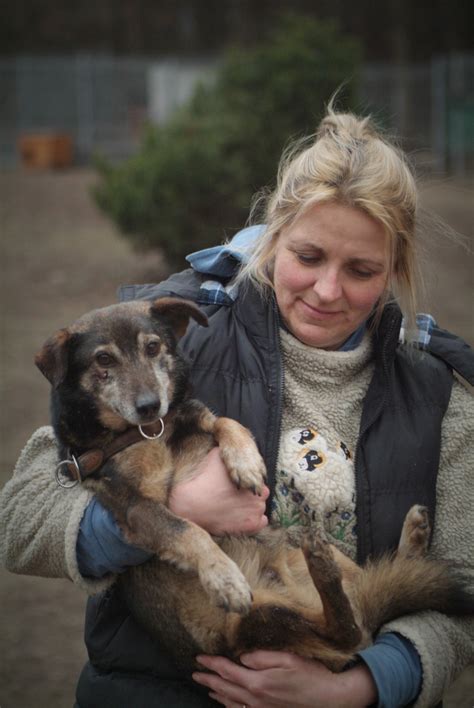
{"points": [[361, 506], [276, 418]]}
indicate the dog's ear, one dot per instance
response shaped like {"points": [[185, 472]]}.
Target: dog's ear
{"points": [[176, 313], [51, 360]]}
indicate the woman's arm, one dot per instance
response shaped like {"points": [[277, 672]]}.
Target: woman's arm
{"points": [[39, 520], [446, 644]]}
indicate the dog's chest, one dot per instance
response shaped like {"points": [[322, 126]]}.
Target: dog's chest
{"points": [[145, 468]]}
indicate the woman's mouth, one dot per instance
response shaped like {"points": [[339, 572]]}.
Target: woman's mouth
{"points": [[318, 312]]}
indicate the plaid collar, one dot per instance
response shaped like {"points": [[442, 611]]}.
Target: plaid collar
{"points": [[213, 292], [425, 324]]}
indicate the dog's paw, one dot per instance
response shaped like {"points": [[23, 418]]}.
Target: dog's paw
{"points": [[320, 559], [295, 535], [246, 466], [415, 532], [316, 543], [226, 586], [240, 455]]}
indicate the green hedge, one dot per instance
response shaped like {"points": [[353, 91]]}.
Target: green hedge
{"points": [[191, 183]]}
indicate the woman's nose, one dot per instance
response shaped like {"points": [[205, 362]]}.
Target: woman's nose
{"points": [[328, 285]]}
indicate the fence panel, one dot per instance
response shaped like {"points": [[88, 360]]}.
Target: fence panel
{"points": [[101, 101], [429, 107], [399, 99], [104, 102]]}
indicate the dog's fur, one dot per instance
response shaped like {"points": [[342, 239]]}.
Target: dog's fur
{"points": [[117, 368]]}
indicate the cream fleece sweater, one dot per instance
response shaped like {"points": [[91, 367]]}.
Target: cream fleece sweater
{"points": [[322, 404], [39, 523]]}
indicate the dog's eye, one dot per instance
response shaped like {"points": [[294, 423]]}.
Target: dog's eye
{"points": [[152, 348], [104, 359]]}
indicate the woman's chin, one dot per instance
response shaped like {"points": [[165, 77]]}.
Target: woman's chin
{"points": [[319, 337]]}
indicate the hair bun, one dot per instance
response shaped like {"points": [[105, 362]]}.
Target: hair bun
{"points": [[345, 126]]}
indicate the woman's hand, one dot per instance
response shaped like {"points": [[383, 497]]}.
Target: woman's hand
{"points": [[212, 501], [271, 679]]}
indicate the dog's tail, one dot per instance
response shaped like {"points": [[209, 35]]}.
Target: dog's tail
{"points": [[392, 587]]}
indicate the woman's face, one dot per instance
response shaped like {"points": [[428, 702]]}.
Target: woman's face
{"points": [[331, 267]]}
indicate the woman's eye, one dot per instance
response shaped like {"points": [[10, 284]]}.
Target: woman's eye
{"points": [[104, 359], [363, 274], [307, 259], [152, 348]]}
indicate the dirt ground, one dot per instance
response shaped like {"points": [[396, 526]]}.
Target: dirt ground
{"points": [[59, 258]]}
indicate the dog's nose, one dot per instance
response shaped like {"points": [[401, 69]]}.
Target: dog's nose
{"points": [[147, 406]]}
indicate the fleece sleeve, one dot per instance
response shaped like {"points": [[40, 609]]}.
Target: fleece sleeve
{"points": [[39, 520], [446, 644], [101, 547]]}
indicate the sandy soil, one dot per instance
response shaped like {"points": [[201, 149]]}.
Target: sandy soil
{"points": [[59, 258]]}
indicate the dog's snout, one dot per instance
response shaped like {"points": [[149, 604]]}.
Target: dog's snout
{"points": [[147, 406]]}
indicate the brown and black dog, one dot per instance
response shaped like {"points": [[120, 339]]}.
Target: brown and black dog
{"points": [[129, 430]]}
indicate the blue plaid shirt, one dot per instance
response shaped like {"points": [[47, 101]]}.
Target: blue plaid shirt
{"points": [[424, 324]]}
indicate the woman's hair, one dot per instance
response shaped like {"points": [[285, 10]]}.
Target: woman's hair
{"points": [[349, 162]]}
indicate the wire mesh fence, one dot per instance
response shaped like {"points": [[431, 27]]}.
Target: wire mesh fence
{"points": [[430, 106], [103, 103], [100, 101]]}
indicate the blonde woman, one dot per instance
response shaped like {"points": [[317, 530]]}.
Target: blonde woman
{"points": [[357, 415]]}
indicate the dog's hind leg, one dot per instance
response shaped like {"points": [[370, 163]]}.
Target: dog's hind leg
{"points": [[340, 624], [315, 622], [415, 533]]}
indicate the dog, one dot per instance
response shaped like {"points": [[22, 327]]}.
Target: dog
{"points": [[129, 430]]}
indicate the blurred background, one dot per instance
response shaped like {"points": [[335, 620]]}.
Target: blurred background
{"points": [[135, 131]]}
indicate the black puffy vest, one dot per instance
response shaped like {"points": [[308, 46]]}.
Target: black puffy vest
{"points": [[236, 370]]}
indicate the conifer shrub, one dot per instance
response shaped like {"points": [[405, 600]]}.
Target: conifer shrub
{"points": [[191, 182]]}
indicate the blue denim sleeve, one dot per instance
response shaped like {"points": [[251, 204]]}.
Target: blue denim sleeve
{"points": [[396, 669], [101, 548]]}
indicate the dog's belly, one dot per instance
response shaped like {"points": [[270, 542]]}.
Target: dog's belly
{"points": [[173, 607]]}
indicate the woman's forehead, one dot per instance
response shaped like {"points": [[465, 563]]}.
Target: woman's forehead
{"points": [[342, 238]]}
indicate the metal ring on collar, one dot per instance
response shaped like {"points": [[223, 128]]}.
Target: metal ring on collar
{"points": [[72, 482], [153, 437]]}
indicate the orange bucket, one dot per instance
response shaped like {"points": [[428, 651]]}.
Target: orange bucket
{"points": [[45, 150]]}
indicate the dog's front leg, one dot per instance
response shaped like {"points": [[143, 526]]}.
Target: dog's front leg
{"points": [[238, 450], [152, 526]]}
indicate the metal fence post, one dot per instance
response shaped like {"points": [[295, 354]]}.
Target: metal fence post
{"points": [[458, 142], [85, 106], [438, 112]]}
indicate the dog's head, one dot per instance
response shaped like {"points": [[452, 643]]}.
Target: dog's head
{"points": [[119, 364]]}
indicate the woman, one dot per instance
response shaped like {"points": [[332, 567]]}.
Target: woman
{"points": [[305, 348]]}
